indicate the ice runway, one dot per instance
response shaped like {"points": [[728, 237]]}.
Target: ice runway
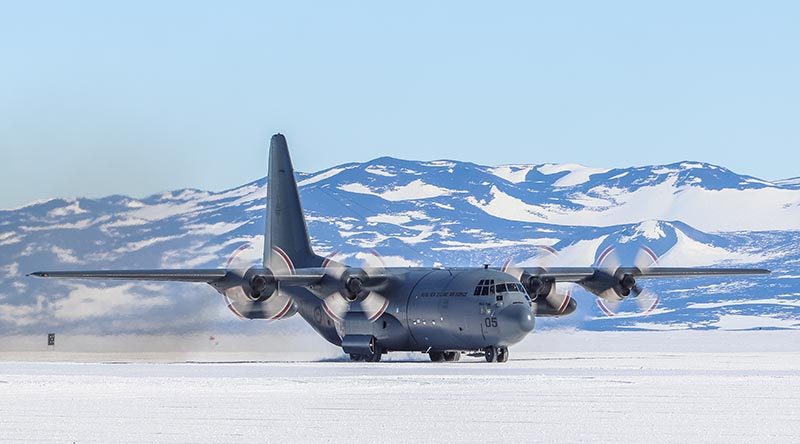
{"points": [[536, 397]]}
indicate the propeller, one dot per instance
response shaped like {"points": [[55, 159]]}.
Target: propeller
{"points": [[622, 285], [646, 299], [356, 289], [250, 291], [557, 296]]}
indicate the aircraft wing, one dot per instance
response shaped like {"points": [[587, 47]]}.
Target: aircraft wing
{"points": [[138, 275], [664, 272], [561, 274], [300, 278], [577, 274]]}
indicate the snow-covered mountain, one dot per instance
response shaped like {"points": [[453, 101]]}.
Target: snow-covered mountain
{"points": [[417, 213]]}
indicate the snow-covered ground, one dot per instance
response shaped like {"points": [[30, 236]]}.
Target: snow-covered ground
{"points": [[562, 387]]}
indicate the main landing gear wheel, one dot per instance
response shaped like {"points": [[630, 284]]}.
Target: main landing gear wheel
{"points": [[437, 356], [452, 356], [374, 356], [491, 354]]}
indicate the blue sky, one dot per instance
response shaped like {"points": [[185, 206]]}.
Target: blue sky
{"points": [[99, 98]]}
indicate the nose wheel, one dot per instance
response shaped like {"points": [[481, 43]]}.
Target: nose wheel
{"points": [[496, 354]]}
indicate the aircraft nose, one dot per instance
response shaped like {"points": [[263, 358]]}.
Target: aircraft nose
{"points": [[515, 322]]}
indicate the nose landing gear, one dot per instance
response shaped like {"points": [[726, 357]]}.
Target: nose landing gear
{"points": [[496, 354]]}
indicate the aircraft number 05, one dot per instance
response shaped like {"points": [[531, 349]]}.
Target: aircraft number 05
{"points": [[490, 322]]}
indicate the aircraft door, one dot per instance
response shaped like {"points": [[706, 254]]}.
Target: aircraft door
{"points": [[429, 310]]}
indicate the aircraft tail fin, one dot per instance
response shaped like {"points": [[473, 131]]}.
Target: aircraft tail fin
{"points": [[286, 242]]}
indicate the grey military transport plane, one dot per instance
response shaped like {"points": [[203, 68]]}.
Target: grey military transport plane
{"points": [[370, 311]]}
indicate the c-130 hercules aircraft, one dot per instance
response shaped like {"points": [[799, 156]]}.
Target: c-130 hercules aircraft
{"points": [[369, 311]]}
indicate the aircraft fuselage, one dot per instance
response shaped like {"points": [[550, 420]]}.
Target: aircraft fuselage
{"points": [[438, 309]]}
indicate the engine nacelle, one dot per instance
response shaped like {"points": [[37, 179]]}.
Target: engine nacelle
{"points": [[608, 286], [549, 299], [545, 309], [537, 286]]}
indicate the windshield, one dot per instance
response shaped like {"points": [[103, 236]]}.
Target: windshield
{"points": [[488, 287]]}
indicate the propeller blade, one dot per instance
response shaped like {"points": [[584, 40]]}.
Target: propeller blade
{"points": [[608, 306], [356, 288], [544, 257], [235, 297], [558, 299], [373, 263], [609, 261], [374, 305], [646, 300], [645, 258], [336, 306], [609, 301], [251, 295], [334, 268]]}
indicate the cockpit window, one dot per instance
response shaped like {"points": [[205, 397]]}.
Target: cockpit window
{"points": [[485, 287], [509, 287]]}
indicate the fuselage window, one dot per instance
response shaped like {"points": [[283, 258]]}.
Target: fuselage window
{"points": [[500, 288]]}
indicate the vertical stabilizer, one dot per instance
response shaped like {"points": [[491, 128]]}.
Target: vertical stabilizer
{"points": [[286, 244]]}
